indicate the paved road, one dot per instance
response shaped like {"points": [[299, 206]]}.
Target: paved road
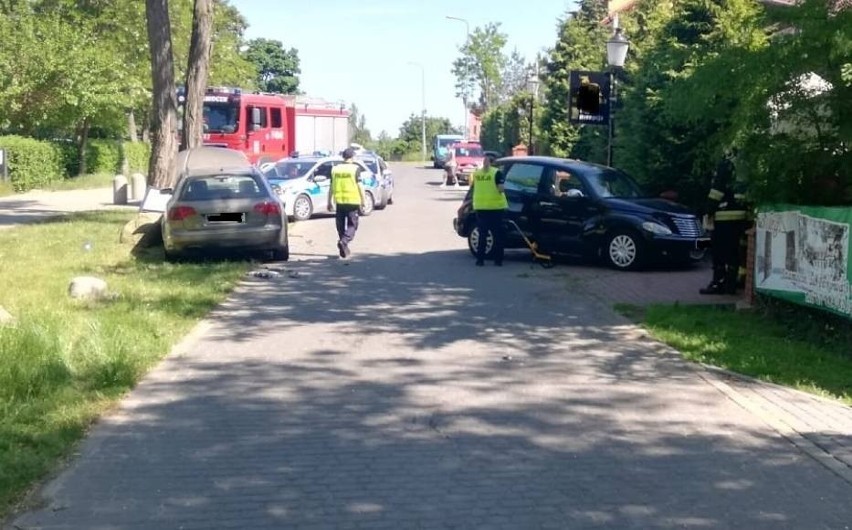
{"points": [[409, 389], [40, 205]]}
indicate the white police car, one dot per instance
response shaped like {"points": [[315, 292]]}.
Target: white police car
{"points": [[303, 184]]}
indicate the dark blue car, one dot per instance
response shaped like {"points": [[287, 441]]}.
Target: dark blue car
{"points": [[579, 208]]}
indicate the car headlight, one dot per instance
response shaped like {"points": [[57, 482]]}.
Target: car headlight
{"points": [[656, 228]]}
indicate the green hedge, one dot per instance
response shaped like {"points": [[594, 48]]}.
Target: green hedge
{"points": [[32, 163], [103, 156], [137, 154]]}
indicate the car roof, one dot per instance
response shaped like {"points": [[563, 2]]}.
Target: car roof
{"points": [[568, 163]]}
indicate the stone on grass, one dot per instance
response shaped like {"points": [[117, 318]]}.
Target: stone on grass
{"points": [[87, 288], [6, 318]]}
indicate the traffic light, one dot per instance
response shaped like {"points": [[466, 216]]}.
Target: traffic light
{"points": [[589, 97]]}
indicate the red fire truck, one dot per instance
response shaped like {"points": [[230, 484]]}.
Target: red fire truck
{"points": [[268, 127]]}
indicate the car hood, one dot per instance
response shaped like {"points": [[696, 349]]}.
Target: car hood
{"points": [[648, 206]]}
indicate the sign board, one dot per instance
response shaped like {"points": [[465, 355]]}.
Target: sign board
{"points": [[154, 201], [802, 256], [589, 101]]}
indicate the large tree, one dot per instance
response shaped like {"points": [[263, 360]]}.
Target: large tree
{"points": [[479, 67], [197, 73], [161, 168], [277, 68]]}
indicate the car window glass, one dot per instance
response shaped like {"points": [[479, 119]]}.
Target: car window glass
{"points": [[325, 169], [276, 120], [566, 184], [220, 187], [613, 183], [524, 177]]}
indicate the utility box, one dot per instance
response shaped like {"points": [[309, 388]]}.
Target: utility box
{"points": [[4, 166]]}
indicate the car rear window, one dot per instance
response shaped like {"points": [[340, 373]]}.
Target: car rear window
{"points": [[220, 187]]}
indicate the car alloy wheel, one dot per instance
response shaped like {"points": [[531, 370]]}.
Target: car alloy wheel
{"points": [[369, 204], [623, 251], [302, 208], [473, 242]]}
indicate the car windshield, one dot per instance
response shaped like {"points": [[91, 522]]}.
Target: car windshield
{"points": [[474, 152], [221, 117], [221, 187], [609, 182], [289, 169], [444, 142]]}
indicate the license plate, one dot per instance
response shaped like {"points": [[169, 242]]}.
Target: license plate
{"points": [[702, 244], [226, 218]]}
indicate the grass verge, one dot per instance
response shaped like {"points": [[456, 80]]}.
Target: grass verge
{"points": [[64, 363], [754, 343]]}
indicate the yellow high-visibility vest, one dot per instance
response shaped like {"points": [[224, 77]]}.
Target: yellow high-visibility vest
{"points": [[486, 196], [344, 184]]}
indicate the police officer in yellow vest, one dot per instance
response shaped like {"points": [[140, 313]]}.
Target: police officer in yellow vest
{"points": [[348, 197], [730, 219], [489, 203]]}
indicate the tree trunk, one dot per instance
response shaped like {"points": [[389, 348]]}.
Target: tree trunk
{"points": [[131, 126], [161, 172], [196, 77], [82, 141]]}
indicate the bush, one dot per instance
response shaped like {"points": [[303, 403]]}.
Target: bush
{"points": [[103, 156], [70, 159], [137, 154], [32, 163]]}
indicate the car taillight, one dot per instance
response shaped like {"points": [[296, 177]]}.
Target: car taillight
{"points": [[267, 208], [179, 213]]}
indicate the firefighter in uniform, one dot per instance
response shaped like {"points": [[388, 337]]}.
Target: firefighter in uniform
{"points": [[730, 219], [346, 199], [489, 203]]}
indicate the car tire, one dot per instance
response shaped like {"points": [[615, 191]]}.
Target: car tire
{"points": [[473, 243], [624, 251], [390, 199], [369, 205], [281, 253], [303, 208], [382, 205]]}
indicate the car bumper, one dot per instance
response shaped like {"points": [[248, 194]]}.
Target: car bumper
{"points": [[678, 248], [260, 238]]}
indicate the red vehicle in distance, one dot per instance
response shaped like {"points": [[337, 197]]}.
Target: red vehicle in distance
{"points": [[469, 158]]}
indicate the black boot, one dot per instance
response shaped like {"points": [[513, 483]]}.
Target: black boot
{"points": [[713, 288], [716, 284]]}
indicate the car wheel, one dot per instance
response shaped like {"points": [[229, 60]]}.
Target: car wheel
{"points": [[623, 251], [473, 241], [383, 204], [390, 199], [281, 253], [172, 256], [369, 204], [302, 208]]}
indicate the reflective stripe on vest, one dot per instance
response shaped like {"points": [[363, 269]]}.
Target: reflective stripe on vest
{"points": [[731, 215], [344, 184], [486, 196]]}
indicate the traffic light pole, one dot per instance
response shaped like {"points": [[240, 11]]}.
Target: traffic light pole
{"points": [[611, 124]]}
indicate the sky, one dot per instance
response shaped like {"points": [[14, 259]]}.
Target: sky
{"points": [[360, 51]]}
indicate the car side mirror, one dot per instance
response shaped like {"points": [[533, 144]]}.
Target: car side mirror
{"points": [[574, 193], [255, 117]]}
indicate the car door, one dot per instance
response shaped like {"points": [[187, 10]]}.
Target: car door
{"points": [[564, 205], [321, 180], [522, 181]]}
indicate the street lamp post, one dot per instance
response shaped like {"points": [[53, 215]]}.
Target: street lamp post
{"points": [[422, 108], [616, 53], [464, 97], [532, 86]]}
